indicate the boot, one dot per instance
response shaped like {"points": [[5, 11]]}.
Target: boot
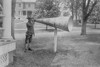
{"points": [[28, 47]]}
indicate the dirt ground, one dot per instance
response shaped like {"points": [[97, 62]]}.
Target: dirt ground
{"points": [[73, 50]]}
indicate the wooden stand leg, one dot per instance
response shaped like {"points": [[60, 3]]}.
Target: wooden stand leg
{"points": [[46, 27], [55, 40], [33, 30]]}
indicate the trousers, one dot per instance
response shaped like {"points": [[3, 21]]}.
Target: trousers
{"points": [[28, 38]]}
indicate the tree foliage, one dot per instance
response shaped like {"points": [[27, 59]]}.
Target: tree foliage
{"points": [[47, 8], [83, 9], [95, 15]]}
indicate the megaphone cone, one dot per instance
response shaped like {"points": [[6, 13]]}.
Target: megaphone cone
{"points": [[64, 23]]}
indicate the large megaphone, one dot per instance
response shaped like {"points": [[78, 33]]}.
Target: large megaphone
{"points": [[64, 23]]}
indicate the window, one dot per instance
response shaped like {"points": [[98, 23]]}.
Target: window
{"points": [[19, 12], [29, 5], [24, 12], [19, 4], [24, 5]]}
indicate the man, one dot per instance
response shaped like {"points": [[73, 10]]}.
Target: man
{"points": [[29, 33]]}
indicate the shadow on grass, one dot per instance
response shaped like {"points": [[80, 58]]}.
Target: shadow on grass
{"points": [[96, 28], [35, 58], [38, 58], [48, 30], [93, 38], [43, 57]]}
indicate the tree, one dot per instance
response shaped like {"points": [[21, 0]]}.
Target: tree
{"points": [[1, 10], [72, 7], [77, 9], [1, 2], [47, 9], [95, 15], [12, 21], [87, 8]]}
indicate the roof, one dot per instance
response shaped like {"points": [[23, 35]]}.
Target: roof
{"points": [[26, 0]]}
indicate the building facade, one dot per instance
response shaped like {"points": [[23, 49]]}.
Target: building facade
{"points": [[24, 8], [6, 49]]}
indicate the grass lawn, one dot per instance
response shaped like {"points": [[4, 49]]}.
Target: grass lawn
{"points": [[73, 50]]}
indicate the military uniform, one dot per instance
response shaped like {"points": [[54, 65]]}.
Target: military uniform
{"points": [[29, 33]]}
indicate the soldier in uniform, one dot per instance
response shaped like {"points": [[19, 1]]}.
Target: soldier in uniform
{"points": [[29, 33]]}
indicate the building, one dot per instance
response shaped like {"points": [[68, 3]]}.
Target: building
{"points": [[7, 44], [24, 8]]}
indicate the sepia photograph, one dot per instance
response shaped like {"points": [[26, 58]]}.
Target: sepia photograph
{"points": [[49, 33]]}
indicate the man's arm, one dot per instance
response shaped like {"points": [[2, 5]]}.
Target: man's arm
{"points": [[33, 21], [28, 24]]}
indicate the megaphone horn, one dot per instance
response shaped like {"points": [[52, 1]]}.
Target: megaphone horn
{"points": [[64, 23]]}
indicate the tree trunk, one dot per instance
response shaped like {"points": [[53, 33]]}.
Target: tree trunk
{"points": [[76, 16], [84, 19], [95, 25], [72, 12], [46, 27], [12, 28], [72, 3], [76, 11], [12, 22], [86, 11], [83, 30]]}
